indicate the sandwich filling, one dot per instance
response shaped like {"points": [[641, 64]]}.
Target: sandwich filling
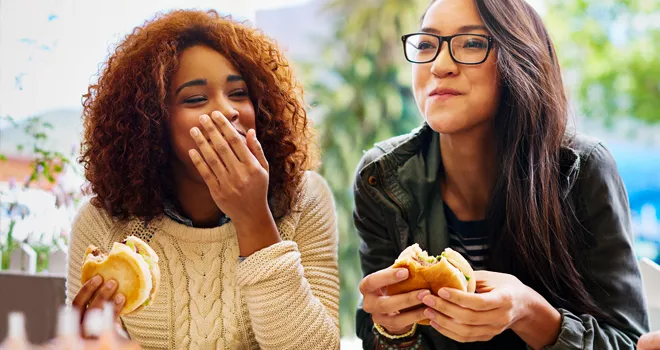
{"points": [[146, 258], [425, 260]]}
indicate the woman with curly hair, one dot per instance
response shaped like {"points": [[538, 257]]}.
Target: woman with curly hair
{"points": [[197, 141]]}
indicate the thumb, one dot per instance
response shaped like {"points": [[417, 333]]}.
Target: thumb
{"points": [[255, 147]]}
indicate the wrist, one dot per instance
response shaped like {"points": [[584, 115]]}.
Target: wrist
{"points": [[540, 324], [398, 331], [255, 219], [257, 233]]}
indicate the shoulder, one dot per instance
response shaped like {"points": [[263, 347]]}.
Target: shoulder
{"points": [[599, 187], [315, 189], [89, 214], [313, 213], [383, 147], [93, 224], [596, 161]]}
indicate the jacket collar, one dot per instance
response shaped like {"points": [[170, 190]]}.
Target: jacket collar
{"points": [[414, 160]]}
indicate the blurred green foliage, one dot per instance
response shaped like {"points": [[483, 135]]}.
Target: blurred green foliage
{"points": [[361, 92], [610, 51]]}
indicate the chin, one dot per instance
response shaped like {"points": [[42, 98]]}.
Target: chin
{"points": [[446, 122]]}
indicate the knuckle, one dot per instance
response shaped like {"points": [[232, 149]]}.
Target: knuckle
{"points": [[509, 316], [222, 148], [213, 161], [507, 299], [209, 125], [376, 306], [208, 178], [362, 287], [472, 319], [365, 284], [412, 298], [234, 140]]}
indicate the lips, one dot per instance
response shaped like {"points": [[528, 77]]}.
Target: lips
{"points": [[444, 92]]}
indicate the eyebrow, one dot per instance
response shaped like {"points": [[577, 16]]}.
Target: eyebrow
{"points": [[196, 82], [233, 77], [463, 29], [203, 82]]}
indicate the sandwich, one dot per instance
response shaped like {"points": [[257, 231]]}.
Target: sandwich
{"points": [[133, 264], [447, 270]]}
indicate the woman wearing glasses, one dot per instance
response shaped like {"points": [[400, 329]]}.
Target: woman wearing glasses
{"points": [[542, 214]]}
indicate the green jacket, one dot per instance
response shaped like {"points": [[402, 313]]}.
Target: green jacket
{"points": [[395, 178]]}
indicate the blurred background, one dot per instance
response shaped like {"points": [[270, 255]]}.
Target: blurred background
{"points": [[348, 56]]}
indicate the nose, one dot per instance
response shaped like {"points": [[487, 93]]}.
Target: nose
{"points": [[225, 107], [444, 65]]}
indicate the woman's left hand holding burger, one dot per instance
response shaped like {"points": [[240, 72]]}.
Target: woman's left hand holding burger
{"points": [[236, 173], [501, 302]]}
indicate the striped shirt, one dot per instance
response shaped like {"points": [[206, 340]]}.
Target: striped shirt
{"points": [[470, 238]]}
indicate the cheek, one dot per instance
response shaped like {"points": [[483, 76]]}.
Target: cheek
{"points": [[180, 125], [420, 77], [247, 116], [487, 93]]}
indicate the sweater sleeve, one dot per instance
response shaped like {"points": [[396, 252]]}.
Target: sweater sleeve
{"points": [[292, 287], [90, 226]]}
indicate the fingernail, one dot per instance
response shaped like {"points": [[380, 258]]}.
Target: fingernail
{"points": [[422, 294], [119, 299], [428, 301], [194, 131], [428, 313], [110, 284], [96, 280], [401, 274], [443, 293], [204, 118]]}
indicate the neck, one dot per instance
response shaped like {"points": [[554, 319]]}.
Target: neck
{"points": [[194, 200], [469, 163]]}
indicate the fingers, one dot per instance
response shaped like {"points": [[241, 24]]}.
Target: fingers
{"points": [[394, 303], [233, 138], [219, 144], [380, 279], [399, 321], [118, 304], [255, 147], [466, 316], [474, 301], [650, 341], [103, 295], [204, 171], [86, 293], [458, 331], [213, 160]]}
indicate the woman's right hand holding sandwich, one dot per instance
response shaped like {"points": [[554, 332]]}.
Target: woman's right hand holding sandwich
{"points": [[386, 309], [94, 293]]}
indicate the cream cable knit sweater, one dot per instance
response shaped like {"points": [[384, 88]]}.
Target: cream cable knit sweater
{"points": [[285, 296]]}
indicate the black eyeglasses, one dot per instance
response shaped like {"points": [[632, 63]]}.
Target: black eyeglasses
{"points": [[463, 48]]}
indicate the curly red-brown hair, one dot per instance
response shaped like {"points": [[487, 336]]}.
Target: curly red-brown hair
{"points": [[126, 147]]}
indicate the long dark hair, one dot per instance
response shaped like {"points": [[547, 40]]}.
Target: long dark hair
{"points": [[536, 234]]}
